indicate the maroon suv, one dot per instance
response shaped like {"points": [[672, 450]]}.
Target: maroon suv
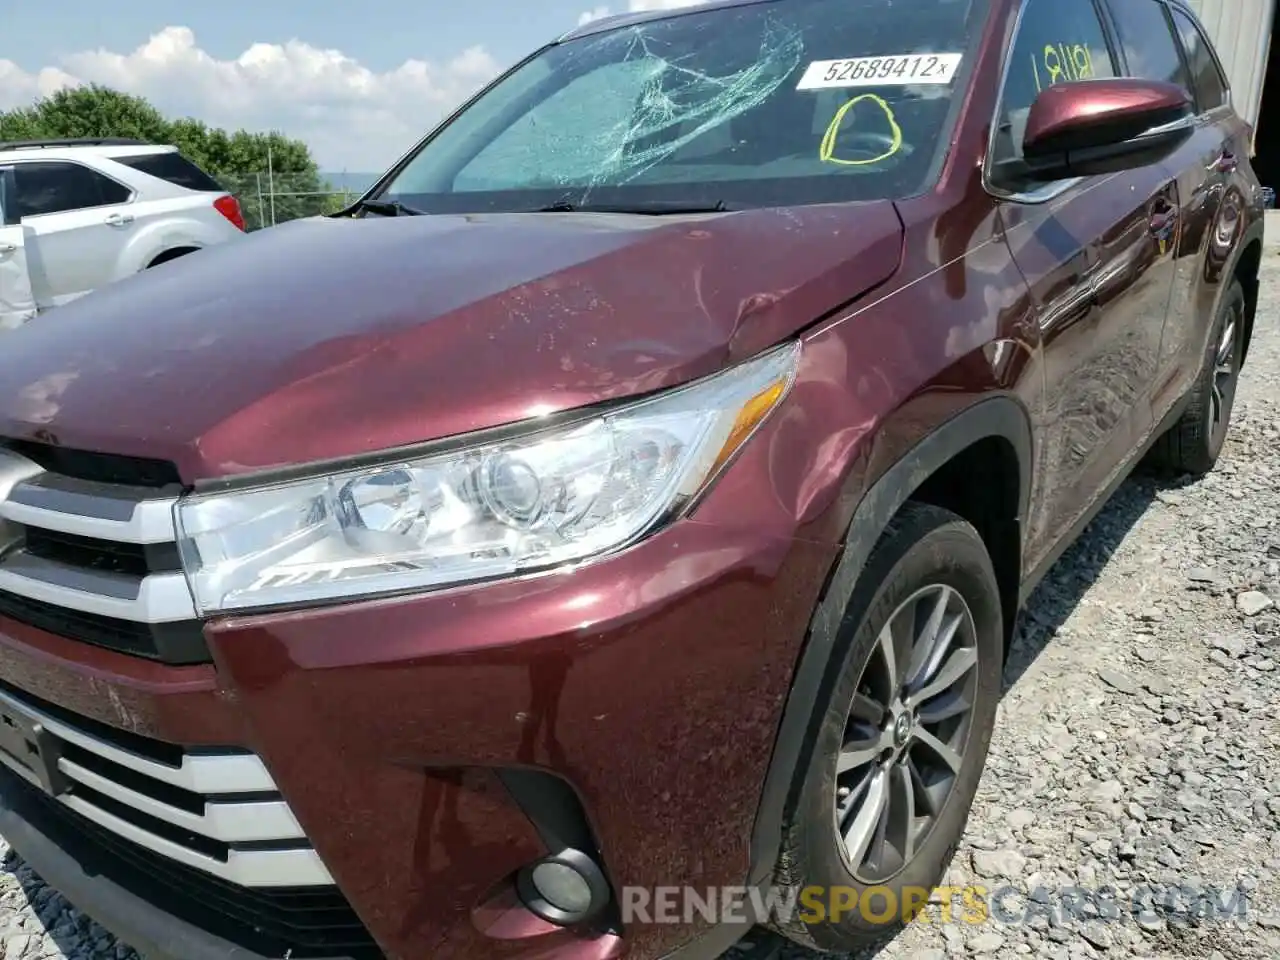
{"points": [[636, 490]]}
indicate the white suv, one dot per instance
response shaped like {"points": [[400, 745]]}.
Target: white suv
{"points": [[78, 214]]}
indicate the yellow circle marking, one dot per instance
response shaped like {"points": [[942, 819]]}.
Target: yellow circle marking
{"points": [[826, 152]]}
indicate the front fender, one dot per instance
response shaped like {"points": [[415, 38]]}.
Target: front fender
{"points": [[997, 416]]}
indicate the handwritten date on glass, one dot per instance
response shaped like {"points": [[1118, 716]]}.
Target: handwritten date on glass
{"points": [[1060, 63], [899, 70]]}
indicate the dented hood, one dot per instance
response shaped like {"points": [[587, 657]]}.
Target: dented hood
{"points": [[331, 338]]}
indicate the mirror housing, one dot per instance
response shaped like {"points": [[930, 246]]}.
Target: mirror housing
{"points": [[1089, 128]]}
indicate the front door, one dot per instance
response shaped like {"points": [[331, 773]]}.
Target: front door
{"points": [[79, 222], [1097, 255]]}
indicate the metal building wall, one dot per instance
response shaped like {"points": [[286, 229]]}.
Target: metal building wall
{"points": [[1241, 30]]}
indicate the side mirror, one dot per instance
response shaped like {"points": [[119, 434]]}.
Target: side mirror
{"points": [[1089, 128]]}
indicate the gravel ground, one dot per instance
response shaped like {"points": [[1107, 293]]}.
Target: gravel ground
{"points": [[1137, 745]]}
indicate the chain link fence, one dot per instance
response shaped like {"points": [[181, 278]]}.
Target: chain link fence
{"points": [[269, 199]]}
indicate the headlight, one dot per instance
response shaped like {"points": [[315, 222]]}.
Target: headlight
{"points": [[551, 498]]}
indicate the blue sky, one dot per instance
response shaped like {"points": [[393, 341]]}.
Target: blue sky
{"points": [[358, 81]]}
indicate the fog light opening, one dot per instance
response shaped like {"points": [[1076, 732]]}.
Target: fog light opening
{"points": [[566, 888]]}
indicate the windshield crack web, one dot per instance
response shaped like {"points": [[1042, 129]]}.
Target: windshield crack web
{"points": [[674, 95]]}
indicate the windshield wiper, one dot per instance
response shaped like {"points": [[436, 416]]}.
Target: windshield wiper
{"points": [[389, 208], [655, 208]]}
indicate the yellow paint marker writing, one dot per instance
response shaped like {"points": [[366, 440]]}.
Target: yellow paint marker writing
{"points": [[826, 152]]}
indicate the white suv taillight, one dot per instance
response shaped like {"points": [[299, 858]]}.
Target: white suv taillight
{"points": [[229, 207]]}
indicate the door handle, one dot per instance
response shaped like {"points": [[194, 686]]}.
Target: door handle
{"points": [[8, 247], [118, 219], [1227, 163]]}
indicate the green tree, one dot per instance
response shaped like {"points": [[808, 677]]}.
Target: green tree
{"points": [[273, 176]]}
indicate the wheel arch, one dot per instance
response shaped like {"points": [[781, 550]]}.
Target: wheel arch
{"points": [[999, 419], [173, 253], [1247, 269]]}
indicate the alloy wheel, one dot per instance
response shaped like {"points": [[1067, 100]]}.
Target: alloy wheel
{"points": [[1224, 375], [907, 732]]}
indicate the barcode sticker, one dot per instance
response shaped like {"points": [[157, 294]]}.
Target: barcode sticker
{"points": [[899, 70]]}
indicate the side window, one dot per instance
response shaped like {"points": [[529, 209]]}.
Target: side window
{"points": [[1057, 42], [1147, 41], [1211, 85], [109, 191], [174, 168], [56, 187]]}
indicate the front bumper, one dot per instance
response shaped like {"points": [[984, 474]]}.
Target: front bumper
{"points": [[105, 890], [651, 682], [104, 887]]}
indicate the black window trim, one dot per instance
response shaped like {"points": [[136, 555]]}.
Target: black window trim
{"points": [[1049, 191], [1174, 5], [133, 194]]}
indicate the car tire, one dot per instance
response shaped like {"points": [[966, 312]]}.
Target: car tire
{"points": [[1194, 443], [928, 561]]}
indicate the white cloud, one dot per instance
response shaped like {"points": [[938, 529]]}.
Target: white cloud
{"points": [[637, 5], [351, 116], [594, 14]]}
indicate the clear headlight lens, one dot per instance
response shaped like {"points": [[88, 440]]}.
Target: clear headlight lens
{"points": [[552, 498]]}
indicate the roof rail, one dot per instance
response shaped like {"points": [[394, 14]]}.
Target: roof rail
{"points": [[73, 142]]}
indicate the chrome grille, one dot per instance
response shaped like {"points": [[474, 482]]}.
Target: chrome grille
{"points": [[304, 923], [94, 561], [88, 552], [218, 812]]}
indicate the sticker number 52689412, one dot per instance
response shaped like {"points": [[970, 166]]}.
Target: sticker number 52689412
{"points": [[901, 69]]}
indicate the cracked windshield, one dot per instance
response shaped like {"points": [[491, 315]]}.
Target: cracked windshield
{"points": [[768, 104]]}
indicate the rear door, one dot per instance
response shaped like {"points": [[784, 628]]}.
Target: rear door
{"points": [[1208, 174], [80, 221], [1097, 255]]}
